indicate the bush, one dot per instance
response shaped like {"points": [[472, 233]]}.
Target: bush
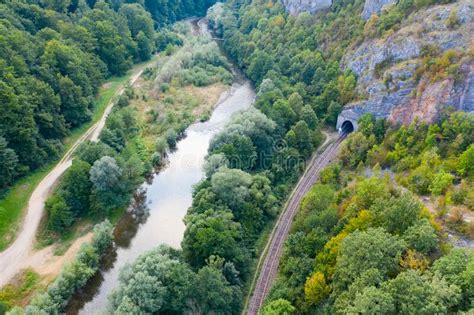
{"points": [[156, 159], [161, 145], [123, 101], [59, 213], [164, 87], [171, 138], [170, 49], [452, 21], [74, 276], [421, 237], [389, 18], [441, 182]]}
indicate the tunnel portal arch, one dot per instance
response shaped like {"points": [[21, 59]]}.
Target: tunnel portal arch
{"points": [[347, 127], [347, 122]]}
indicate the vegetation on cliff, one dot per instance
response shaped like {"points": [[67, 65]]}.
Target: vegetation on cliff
{"points": [[360, 238]]}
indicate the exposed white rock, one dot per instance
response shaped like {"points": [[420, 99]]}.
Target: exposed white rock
{"points": [[375, 6], [312, 6], [385, 67]]}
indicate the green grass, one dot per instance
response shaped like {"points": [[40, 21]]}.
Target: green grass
{"points": [[16, 198], [14, 201], [15, 294], [81, 227]]}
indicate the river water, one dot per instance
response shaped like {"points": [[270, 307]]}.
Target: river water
{"points": [[163, 201]]}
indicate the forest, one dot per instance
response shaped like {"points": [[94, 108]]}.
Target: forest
{"points": [[359, 243], [365, 240], [54, 57]]}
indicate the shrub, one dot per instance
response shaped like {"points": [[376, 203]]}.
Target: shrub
{"points": [[389, 19], [171, 138], [316, 289], [421, 237], [74, 275], [161, 145], [452, 21], [441, 182], [59, 213], [123, 101]]}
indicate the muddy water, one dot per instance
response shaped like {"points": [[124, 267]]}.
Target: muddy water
{"points": [[161, 204]]}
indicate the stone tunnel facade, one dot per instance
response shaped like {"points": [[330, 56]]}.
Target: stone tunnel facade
{"points": [[348, 116]]}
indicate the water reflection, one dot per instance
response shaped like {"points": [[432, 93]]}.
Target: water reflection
{"points": [[124, 232], [158, 209], [156, 215]]}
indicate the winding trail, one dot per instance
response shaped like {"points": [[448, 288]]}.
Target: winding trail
{"points": [[19, 254], [268, 264]]}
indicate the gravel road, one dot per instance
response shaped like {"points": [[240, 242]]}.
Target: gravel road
{"points": [[18, 255]]}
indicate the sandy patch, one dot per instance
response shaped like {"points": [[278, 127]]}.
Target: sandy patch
{"points": [[47, 265], [208, 96]]}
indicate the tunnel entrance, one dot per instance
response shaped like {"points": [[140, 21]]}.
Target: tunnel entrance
{"points": [[347, 127]]}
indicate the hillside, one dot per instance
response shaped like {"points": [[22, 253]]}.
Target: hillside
{"points": [[371, 220], [406, 62], [418, 69]]}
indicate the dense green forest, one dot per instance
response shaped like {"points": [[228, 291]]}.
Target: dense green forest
{"points": [[307, 68], [368, 245], [104, 175], [54, 57], [248, 177], [358, 245], [53, 62]]}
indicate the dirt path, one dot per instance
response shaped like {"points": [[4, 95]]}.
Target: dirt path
{"points": [[47, 265], [21, 251], [269, 260]]}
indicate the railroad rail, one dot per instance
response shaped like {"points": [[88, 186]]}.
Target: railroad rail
{"points": [[272, 254]]}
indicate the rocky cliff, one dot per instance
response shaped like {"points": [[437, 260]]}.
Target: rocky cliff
{"points": [[374, 7], [390, 82], [312, 6]]}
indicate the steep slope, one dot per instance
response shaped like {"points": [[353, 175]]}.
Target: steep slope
{"points": [[411, 61], [418, 70], [311, 6]]}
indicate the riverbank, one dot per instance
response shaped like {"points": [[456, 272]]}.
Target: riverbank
{"points": [[14, 202], [165, 198], [157, 109], [16, 256]]}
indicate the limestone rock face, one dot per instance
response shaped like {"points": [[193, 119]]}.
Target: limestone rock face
{"points": [[375, 6], [312, 6], [385, 67], [466, 102]]}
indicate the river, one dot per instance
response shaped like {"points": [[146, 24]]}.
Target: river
{"points": [[164, 200]]}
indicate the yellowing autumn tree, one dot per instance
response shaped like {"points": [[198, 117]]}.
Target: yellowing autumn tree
{"points": [[316, 289]]}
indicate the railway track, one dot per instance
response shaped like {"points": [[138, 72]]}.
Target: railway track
{"points": [[274, 248]]}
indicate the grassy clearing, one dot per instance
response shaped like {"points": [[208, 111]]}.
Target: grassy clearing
{"points": [[155, 114], [176, 107], [21, 290], [81, 227], [16, 198]]}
